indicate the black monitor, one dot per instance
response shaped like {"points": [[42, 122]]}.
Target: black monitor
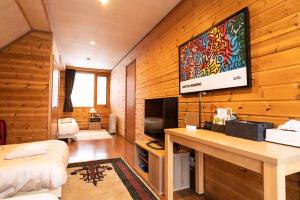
{"points": [[160, 114]]}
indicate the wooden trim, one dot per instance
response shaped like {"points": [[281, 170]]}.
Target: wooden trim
{"points": [[134, 61], [95, 89], [40, 31], [274, 182], [169, 179], [57, 108], [27, 19], [107, 89], [89, 69], [24, 14], [46, 13], [51, 63], [199, 172]]}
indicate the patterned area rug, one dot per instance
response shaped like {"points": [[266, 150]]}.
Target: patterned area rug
{"points": [[104, 179]]}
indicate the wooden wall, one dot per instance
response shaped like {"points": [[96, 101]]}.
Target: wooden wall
{"points": [[24, 87], [225, 181], [275, 50], [117, 96], [81, 114]]}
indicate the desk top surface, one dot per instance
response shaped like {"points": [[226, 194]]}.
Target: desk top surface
{"points": [[264, 151]]}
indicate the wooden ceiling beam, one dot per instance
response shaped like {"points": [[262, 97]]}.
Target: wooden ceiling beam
{"points": [[24, 14]]}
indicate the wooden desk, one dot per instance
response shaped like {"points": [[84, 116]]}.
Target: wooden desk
{"points": [[273, 161]]}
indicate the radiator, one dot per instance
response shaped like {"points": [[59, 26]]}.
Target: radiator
{"points": [[112, 123]]}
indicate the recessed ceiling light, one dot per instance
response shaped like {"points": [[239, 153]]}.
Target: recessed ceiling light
{"points": [[103, 1], [93, 43]]}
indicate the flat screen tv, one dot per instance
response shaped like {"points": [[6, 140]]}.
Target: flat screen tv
{"points": [[218, 58], [160, 114]]}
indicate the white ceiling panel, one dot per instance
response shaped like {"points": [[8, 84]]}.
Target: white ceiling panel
{"points": [[12, 22], [35, 13], [115, 28]]}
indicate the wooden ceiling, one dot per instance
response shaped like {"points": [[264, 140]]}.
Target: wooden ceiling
{"points": [[18, 17], [115, 27], [35, 13], [12, 22]]}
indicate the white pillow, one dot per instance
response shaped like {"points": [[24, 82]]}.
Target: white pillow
{"points": [[27, 150]]}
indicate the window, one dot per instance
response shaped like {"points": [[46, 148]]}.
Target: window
{"points": [[101, 90], [83, 90], [55, 88]]}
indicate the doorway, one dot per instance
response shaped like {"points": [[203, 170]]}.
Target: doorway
{"points": [[130, 102]]}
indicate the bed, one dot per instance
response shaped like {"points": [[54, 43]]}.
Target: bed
{"points": [[67, 128], [39, 172]]}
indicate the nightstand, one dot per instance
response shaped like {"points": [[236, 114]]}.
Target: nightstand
{"points": [[94, 123]]}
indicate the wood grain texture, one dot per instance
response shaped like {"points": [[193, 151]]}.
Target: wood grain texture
{"points": [[232, 178], [81, 114], [274, 96], [12, 23], [24, 87], [130, 102], [156, 172]]}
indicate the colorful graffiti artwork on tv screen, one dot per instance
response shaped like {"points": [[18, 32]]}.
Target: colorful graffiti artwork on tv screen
{"points": [[217, 58]]}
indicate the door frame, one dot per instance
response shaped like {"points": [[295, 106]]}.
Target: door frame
{"points": [[134, 61]]}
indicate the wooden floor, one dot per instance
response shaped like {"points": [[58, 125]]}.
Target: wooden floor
{"points": [[101, 149], [114, 148]]}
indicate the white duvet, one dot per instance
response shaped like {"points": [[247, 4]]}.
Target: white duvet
{"points": [[46, 171], [35, 197], [67, 126]]}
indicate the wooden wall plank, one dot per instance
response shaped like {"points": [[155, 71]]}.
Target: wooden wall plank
{"points": [[274, 96], [24, 83]]}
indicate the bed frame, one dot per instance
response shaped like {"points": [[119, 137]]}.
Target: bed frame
{"points": [[69, 137]]}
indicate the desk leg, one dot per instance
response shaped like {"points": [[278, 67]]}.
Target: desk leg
{"points": [[274, 182], [199, 172], [169, 168]]}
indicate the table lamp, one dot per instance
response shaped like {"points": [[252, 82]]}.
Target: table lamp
{"points": [[92, 112]]}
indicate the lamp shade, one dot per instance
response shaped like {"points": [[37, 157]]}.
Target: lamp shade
{"points": [[92, 110]]}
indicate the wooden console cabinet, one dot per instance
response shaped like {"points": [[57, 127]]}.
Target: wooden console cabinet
{"points": [[154, 160]]}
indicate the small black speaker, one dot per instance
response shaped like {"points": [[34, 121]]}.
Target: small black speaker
{"points": [[207, 125], [247, 130]]}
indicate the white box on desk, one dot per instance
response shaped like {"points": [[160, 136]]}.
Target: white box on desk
{"points": [[283, 137]]}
